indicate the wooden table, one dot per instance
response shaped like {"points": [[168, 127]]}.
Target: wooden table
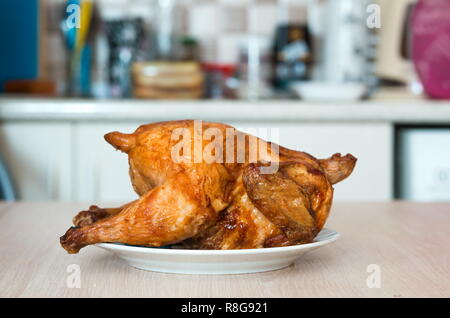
{"points": [[408, 242]]}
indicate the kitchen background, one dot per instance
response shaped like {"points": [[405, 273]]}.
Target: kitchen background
{"points": [[371, 78]]}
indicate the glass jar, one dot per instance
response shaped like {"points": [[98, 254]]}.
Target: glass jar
{"points": [[254, 68]]}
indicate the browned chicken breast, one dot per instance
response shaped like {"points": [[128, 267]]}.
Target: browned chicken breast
{"points": [[225, 198]]}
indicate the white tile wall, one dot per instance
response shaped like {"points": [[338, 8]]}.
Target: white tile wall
{"points": [[262, 19]]}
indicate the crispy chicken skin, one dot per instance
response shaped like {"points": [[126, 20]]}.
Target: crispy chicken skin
{"points": [[218, 204]]}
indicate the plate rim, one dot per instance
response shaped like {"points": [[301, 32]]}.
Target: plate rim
{"points": [[331, 236]]}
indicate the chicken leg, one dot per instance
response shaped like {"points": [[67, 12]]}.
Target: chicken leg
{"points": [[94, 213], [167, 214]]}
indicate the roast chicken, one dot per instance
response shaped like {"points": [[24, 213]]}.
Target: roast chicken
{"points": [[238, 200]]}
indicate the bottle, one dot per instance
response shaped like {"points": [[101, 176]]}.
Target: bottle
{"points": [[254, 68], [292, 50], [124, 37], [431, 46], [166, 29]]}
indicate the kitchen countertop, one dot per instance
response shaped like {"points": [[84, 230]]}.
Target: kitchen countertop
{"points": [[396, 110], [408, 242]]}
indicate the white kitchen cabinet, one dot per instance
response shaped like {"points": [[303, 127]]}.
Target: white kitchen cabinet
{"points": [[71, 160], [371, 143], [39, 158], [101, 172]]}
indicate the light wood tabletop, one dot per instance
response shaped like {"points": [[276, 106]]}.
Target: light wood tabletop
{"points": [[402, 248]]}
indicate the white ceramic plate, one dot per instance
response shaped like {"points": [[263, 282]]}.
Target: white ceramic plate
{"points": [[183, 261], [329, 92]]}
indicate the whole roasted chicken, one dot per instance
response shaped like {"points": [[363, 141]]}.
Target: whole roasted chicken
{"points": [[208, 186]]}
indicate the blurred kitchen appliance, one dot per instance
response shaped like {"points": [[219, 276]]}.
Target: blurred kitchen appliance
{"points": [[393, 56], [423, 164], [124, 37], [346, 41], [431, 46], [292, 54]]}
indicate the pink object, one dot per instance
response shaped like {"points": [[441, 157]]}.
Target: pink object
{"points": [[431, 46]]}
